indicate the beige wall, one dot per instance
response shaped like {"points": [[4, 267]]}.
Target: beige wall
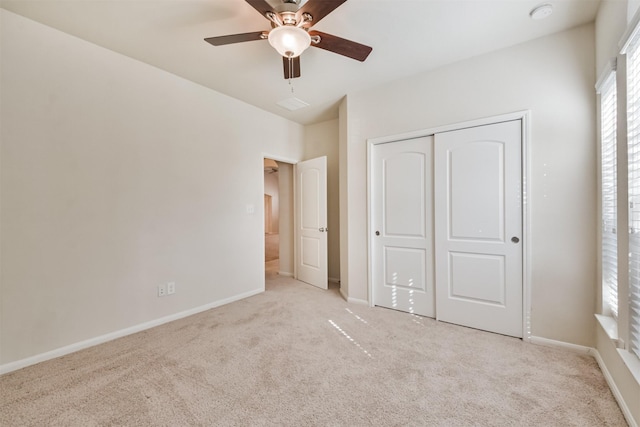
{"points": [[553, 77], [117, 177], [321, 139]]}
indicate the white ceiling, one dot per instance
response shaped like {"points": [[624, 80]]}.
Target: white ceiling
{"points": [[407, 36]]}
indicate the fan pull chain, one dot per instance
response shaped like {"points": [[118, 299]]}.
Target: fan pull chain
{"points": [[291, 73]]}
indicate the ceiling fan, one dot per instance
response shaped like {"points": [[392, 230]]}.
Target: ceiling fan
{"points": [[290, 32]]}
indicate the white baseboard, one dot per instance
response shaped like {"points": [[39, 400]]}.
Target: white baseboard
{"points": [[72, 348], [285, 274], [614, 389], [353, 300], [560, 344]]}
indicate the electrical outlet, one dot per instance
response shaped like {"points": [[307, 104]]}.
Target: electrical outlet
{"points": [[171, 288], [162, 290]]}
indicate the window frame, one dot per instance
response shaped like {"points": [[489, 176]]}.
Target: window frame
{"points": [[606, 90]]}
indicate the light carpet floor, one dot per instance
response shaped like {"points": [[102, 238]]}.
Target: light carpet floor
{"points": [[300, 356]]}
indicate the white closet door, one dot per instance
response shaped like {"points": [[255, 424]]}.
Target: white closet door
{"points": [[478, 227], [402, 240]]}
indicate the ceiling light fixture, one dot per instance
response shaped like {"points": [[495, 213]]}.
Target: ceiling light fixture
{"points": [[289, 40], [541, 12]]}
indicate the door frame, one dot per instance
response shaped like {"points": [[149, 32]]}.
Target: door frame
{"points": [[525, 117]]}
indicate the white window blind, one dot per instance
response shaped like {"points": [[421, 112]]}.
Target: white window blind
{"points": [[633, 141], [609, 188]]}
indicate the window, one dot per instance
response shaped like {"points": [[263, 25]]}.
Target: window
{"points": [[619, 119], [633, 143], [609, 188]]}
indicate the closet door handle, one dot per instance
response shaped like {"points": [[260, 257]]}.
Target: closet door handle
{"points": [[377, 233], [514, 239]]}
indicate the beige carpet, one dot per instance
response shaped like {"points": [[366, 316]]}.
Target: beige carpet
{"points": [[300, 356]]}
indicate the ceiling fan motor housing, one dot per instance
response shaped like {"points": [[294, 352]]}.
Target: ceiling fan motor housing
{"points": [[288, 18], [287, 6]]}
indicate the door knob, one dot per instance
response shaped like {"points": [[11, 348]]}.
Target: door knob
{"points": [[321, 230], [377, 233], [514, 239]]}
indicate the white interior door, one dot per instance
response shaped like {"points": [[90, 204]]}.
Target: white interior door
{"points": [[402, 224], [478, 227], [311, 222]]}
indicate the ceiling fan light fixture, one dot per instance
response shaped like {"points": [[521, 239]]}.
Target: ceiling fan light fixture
{"points": [[290, 41]]}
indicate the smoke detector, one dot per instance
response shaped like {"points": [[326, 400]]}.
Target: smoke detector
{"points": [[541, 12]]}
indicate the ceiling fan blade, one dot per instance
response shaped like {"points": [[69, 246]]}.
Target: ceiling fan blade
{"points": [[318, 9], [235, 38], [261, 6], [341, 46], [291, 70]]}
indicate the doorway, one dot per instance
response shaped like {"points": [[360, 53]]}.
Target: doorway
{"points": [[278, 217], [271, 216]]}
